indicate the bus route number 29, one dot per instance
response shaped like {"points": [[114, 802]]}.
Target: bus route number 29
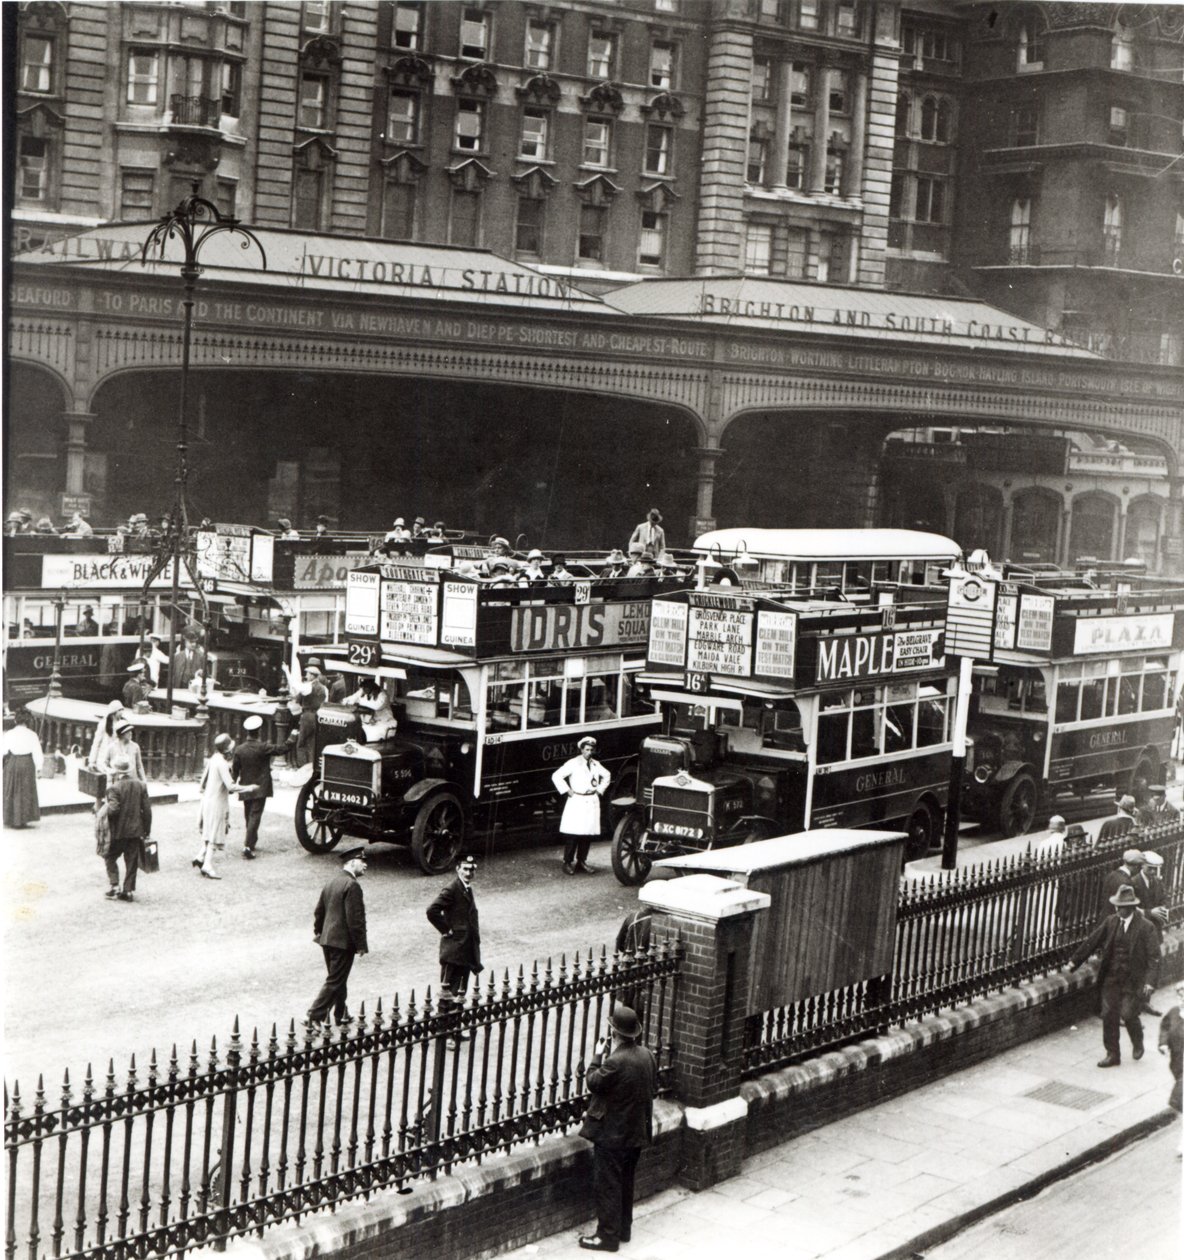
{"points": [[363, 655]]}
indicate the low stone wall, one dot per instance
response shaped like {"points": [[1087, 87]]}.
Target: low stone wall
{"points": [[510, 1201]]}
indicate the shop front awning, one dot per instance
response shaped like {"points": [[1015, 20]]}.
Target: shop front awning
{"points": [[320, 263], [767, 304]]}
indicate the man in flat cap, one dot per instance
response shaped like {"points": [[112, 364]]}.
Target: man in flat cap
{"points": [[251, 767], [1128, 953], [339, 928]]}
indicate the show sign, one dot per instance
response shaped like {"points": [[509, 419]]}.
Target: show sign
{"points": [[101, 572]]}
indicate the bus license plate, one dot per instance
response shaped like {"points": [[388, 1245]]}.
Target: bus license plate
{"points": [[335, 796], [681, 830]]}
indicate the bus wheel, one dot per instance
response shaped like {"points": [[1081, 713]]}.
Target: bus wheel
{"points": [[315, 834], [630, 865], [922, 831], [1017, 808], [438, 833]]}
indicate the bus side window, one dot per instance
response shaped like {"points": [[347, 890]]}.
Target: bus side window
{"points": [[898, 727], [1128, 693], [832, 734], [1093, 693], [1067, 692], [782, 728], [932, 714], [1155, 691], [505, 706], [1036, 700], [863, 729]]}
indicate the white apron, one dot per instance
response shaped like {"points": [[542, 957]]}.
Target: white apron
{"points": [[581, 782]]}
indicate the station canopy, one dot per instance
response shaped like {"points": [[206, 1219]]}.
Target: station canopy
{"points": [[303, 262], [745, 302]]}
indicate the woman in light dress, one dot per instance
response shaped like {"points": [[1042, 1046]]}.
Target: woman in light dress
{"points": [[102, 747], [214, 821]]}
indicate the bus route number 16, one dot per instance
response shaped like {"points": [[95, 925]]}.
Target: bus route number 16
{"points": [[363, 655], [698, 683]]}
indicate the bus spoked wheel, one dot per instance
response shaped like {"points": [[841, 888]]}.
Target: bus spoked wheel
{"points": [[630, 864], [1017, 806], [315, 827], [922, 833], [438, 833]]}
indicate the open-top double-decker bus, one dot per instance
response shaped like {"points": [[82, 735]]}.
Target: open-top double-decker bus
{"points": [[780, 714], [491, 686]]}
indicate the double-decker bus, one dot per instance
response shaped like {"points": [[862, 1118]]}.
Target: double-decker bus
{"points": [[1079, 697], [491, 687], [781, 714]]}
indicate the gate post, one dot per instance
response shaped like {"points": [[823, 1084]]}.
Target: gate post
{"points": [[713, 919]]}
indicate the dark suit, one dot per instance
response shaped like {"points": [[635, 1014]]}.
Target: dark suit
{"points": [[1112, 881], [339, 928], [252, 764], [619, 1122], [135, 690], [454, 915], [129, 816], [1114, 827], [186, 664], [1126, 962]]}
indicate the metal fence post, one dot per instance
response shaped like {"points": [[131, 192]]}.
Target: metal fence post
{"points": [[226, 1159]]}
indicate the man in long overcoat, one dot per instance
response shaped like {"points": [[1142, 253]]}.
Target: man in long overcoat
{"points": [[339, 928], [129, 817], [251, 768], [1128, 952], [619, 1123], [454, 915]]}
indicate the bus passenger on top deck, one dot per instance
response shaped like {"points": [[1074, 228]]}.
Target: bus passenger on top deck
{"points": [[287, 533], [650, 534], [615, 564], [499, 550], [436, 533], [418, 527], [500, 574], [643, 566], [77, 527], [533, 572], [398, 532], [559, 571]]}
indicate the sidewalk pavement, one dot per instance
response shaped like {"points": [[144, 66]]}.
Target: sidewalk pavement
{"points": [[896, 1179]]}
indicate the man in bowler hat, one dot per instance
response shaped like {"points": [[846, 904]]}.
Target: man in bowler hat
{"points": [[454, 915], [1128, 952], [619, 1122], [251, 768], [339, 928]]}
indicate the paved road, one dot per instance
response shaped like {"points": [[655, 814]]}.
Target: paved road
{"points": [[1126, 1206], [88, 979]]}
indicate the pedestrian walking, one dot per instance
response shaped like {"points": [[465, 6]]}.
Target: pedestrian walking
{"points": [[127, 747], [1127, 952], [454, 915], [217, 783], [129, 817], [1127, 873], [583, 780], [104, 745], [1122, 822], [619, 1123], [23, 758], [1171, 1044], [251, 768], [339, 928]]}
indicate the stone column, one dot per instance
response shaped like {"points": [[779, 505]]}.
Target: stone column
{"points": [[782, 126], [77, 423], [1173, 529], [1119, 544], [1008, 518], [853, 174], [713, 919], [817, 180], [1063, 527], [704, 519]]}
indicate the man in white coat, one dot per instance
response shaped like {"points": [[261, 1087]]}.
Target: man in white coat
{"points": [[583, 780]]}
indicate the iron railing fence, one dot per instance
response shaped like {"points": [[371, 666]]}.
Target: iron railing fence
{"points": [[205, 1148], [962, 934]]}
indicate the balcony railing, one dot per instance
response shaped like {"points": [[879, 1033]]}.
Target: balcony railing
{"points": [[195, 111], [1104, 253]]}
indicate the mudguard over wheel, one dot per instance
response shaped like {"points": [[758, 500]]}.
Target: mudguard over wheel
{"points": [[1017, 806], [315, 834], [922, 829], [630, 865], [438, 834]]}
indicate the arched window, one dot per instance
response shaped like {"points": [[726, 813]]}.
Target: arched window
{"points": [[1122, 47], [1091, 529], [1034, 518], [1020, 238], [903, 106], [945, 121], [1030, 53], [1112, 228], [928, 118], [1141, 540]]}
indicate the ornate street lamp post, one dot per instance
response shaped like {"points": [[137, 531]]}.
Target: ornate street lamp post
{"points": [[192, 223]]}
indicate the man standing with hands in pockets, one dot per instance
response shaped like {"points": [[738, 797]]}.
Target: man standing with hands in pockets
{"points": [[583, 780], [339, 928]]}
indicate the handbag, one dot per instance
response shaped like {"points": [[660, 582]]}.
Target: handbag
{"points": [[92, 782], [149, 857]]}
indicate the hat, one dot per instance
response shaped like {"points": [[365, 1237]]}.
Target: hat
{"points": [[658, 873], [322, 520], [635, 548], [1125, 896], [500, 542], [116, 706], [1159, 914], [1132, 855], [1152, 859], [284, 523], [135, 667], [625, 1023], [1127, 803], [466, 568], [87, 608], [655, 515], [350, 854], [120, 727], [645, 558], [467, 859], [316, 660], [312, 669], [1157, 789], [120, 763], [24, 514], [222, 741], [585, 741], [398, 520], [15, 516], [136, 517], [252, 723], [534, 554], [1076, 832], [420, 521], [616, 556], [499, 567]]}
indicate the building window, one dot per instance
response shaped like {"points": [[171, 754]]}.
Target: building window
{"points": [[936, 119], [662, 64], [143, 77], [474, 35], [932, 44], [1019, 243], [470, 125], [771, 9], [799, 84], [136, 191], [32, 169], [1026, 124], [1122, 48], [834, 249], [598, 134], [402, 120], [931, 200], [896, 196], [315, 16], [232, 88], [398, 211], [758, 249], [847, 19], [533, 144], [592, 226], [651, 248], [36, 64], [528, 228], [1119, 125], [407, 32], [796, 242], [838, 91], [1031, 44], [808, 14], [540, 39], [306, 199], [902, 114], [659, 150], [225, 196], [796, 163], [464, 223], [834, 172], [313, 95], [602, 55], [762, 76], [758, 155], [666, 6], [1112, 228]]}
